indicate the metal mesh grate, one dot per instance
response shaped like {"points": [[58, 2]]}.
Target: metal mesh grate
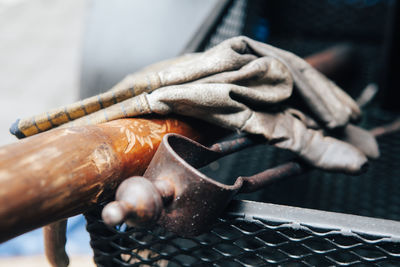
{"points": [[236, 240]]}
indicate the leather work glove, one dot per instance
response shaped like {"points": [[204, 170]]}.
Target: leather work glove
{"points": [[242, 85]]}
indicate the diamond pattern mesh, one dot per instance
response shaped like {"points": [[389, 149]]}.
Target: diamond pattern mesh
{"points": [[235, 241]]}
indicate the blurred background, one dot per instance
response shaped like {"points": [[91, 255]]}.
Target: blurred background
{"points": [[54, 52], [40, 51], [40, 55]]}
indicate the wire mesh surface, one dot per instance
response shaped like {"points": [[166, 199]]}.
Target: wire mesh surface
{"points": [[239, 240]]}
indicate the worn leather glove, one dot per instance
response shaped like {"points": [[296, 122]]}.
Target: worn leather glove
{"points": [[231, 106], [248, 86]]}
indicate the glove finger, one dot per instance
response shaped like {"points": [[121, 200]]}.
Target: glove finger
{"points": [[315, 88], [358, 137], [210, 102], [287, 132], [269, 76], [227, 56]]}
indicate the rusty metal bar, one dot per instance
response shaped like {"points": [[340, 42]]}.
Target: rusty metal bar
{"points": [[289, 169]]}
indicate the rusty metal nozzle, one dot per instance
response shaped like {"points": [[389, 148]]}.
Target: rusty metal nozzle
{"points": [[176, 195]]}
